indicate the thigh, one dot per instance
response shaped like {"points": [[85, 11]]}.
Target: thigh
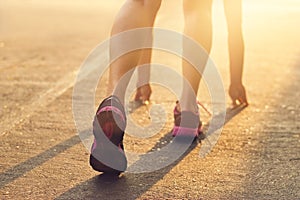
{"points": [[197, 5], [149, 4]]}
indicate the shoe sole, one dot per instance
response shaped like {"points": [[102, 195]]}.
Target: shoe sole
{"points": [[107, 121]]}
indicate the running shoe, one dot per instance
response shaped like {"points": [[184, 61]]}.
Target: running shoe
{"points": [[107, 153], [187, 124]]}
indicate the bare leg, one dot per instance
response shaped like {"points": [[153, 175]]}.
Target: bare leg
{"points": [[134, 14], [233, 12], [198, 25], [144, 89], [111, 122]]}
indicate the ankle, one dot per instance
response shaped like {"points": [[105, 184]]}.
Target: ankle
{"points": [[189, 107]]}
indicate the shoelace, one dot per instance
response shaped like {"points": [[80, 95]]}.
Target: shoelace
{"points": [[204, 108]]}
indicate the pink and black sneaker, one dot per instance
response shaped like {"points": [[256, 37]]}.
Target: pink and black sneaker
{"points": [[187, 124], [107, 153]]}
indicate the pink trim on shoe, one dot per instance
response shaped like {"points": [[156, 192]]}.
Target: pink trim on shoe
{"points": [[94, 145], [114, 109], [183, 131], [176, 112]]}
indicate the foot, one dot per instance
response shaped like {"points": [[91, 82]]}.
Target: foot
{"points": [[187, 124], [107, 154]]}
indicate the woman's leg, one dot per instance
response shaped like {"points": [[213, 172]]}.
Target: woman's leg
{"points": [[198, 25], [110, 119], [134, 14]]}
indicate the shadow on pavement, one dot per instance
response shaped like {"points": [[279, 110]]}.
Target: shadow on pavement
{"points": [[272, 168], [129, 185], [28, 165]]}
